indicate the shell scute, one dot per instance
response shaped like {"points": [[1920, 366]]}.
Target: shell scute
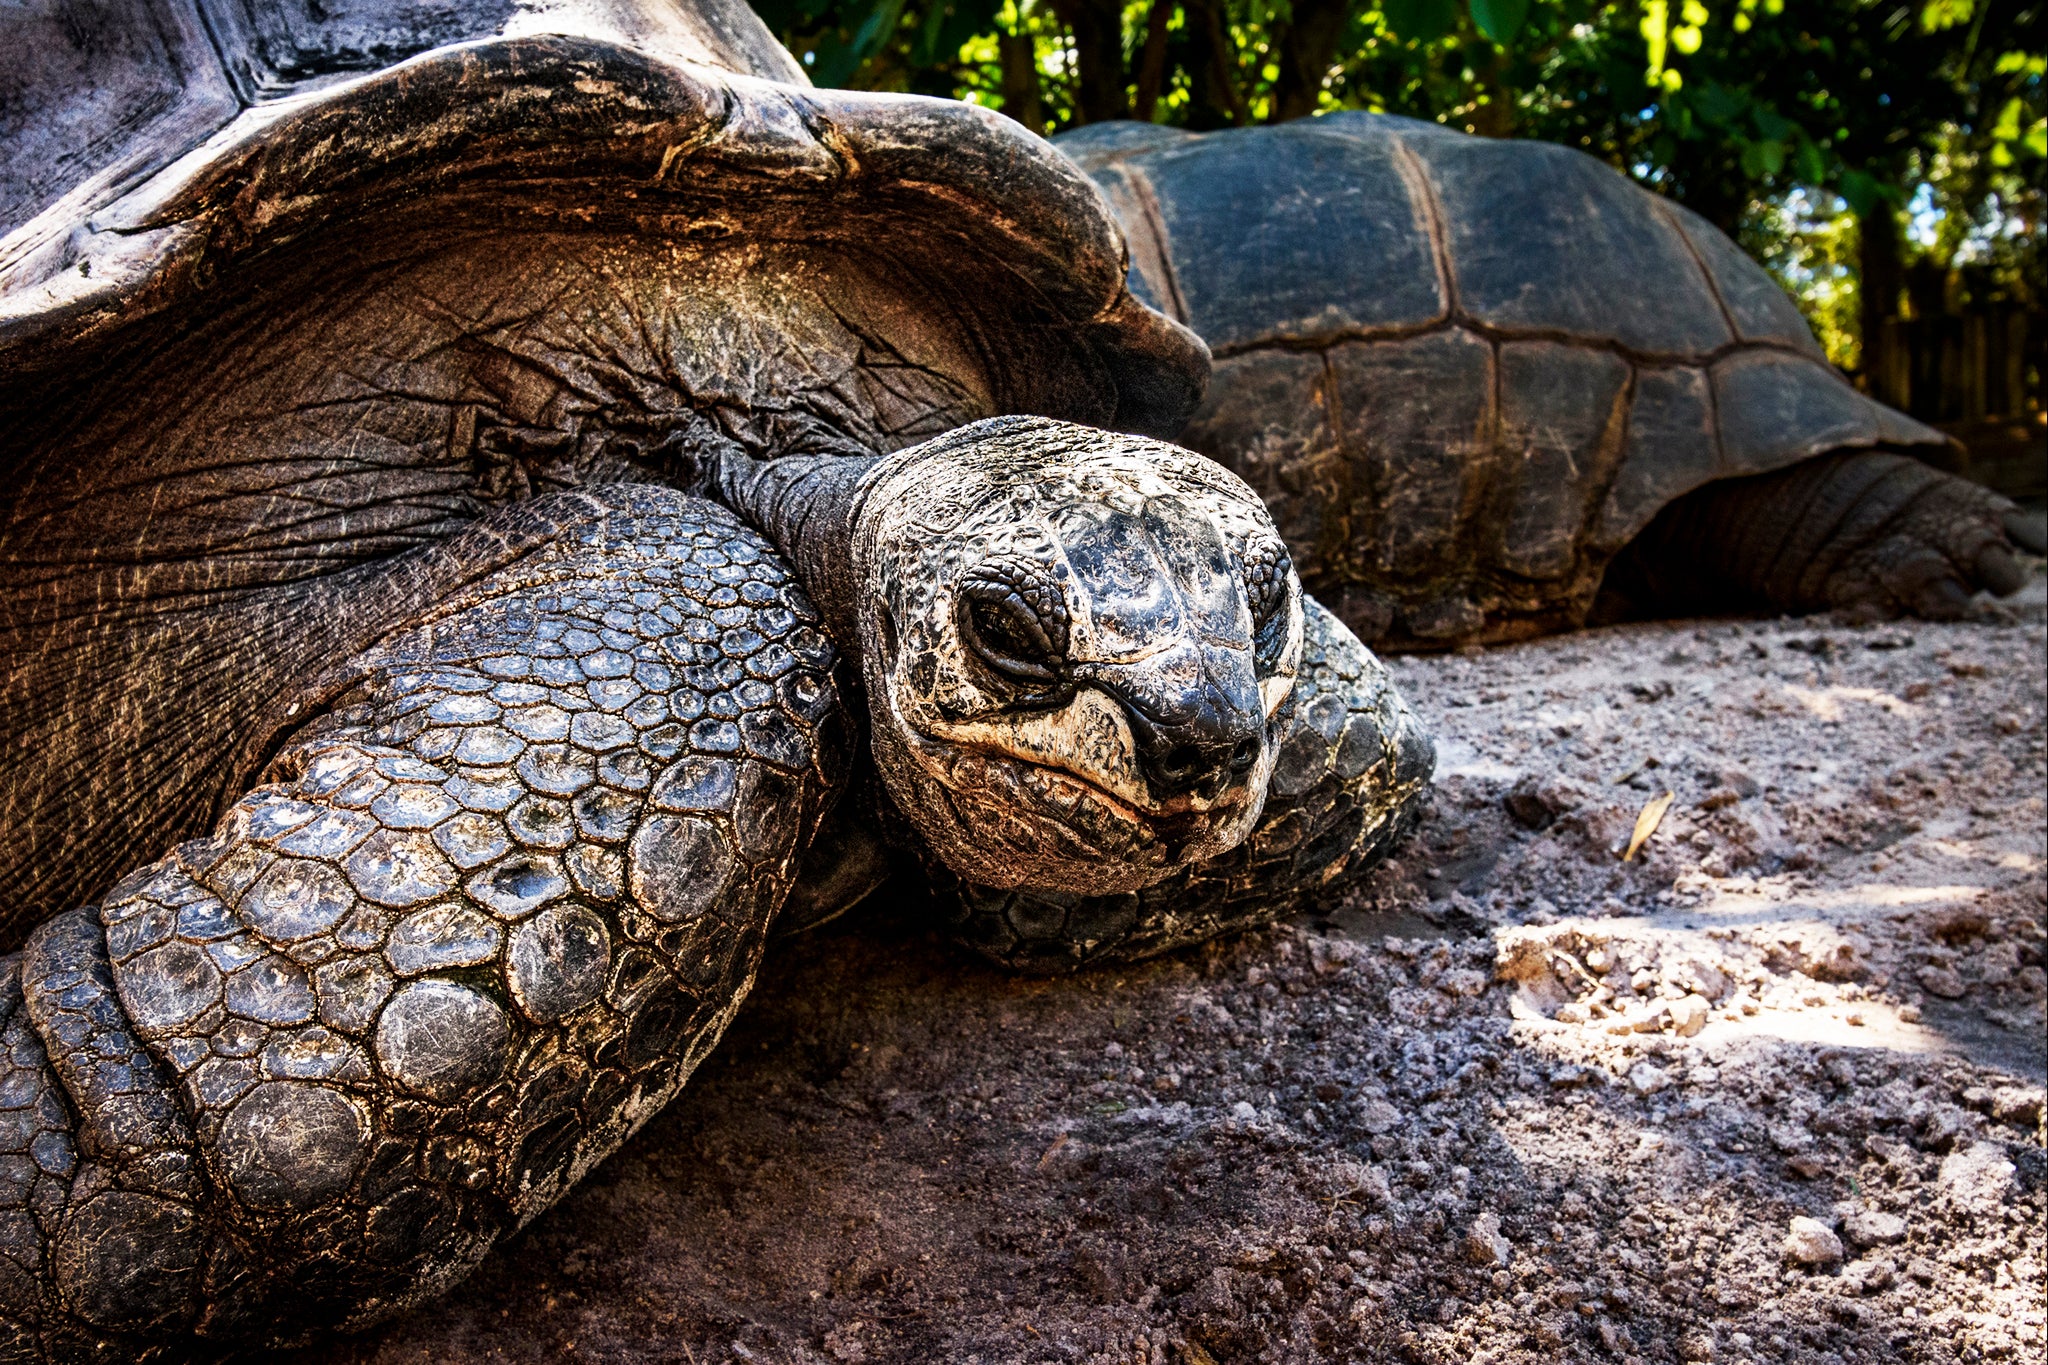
{"points": [[1672, 449], [1770, 401], [273, 48], [1760, 310], [97, 96], [1562, 412], [1546, 239], [1295, 235], [1418, 424], [1268, 408]]}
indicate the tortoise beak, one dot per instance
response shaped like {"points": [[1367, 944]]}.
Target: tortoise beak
{"points": [[1199, 728]]}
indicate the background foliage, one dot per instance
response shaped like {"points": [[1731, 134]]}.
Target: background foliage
{"points": [[1878, 155]]}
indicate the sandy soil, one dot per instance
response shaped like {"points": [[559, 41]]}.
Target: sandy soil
{"points": [[1772, 1091]]}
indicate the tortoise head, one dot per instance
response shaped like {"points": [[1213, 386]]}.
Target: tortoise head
{"points": [[1079, 650]]}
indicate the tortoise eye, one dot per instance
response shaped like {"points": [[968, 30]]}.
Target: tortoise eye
{"points": [[1267, 568], [1014, 620]]}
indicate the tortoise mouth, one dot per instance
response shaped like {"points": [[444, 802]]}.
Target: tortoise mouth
{"points": [[1012, 821], [1175, 817]]}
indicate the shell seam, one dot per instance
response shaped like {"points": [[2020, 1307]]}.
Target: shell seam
{"points": [[1656, 360], [1415, 175], [1699, 263], [1583, 543], [1162, 244]]}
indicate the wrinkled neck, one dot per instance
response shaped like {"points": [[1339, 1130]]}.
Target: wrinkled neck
{"points": [[805, 504]]}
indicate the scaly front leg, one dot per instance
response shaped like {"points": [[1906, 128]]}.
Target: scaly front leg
{"points": [[501, 895]]}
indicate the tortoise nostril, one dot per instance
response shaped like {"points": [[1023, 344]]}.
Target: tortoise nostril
{"points": [[1201, 756]]}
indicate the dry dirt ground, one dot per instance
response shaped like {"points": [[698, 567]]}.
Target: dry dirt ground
{"points": [[1770, 1092]]}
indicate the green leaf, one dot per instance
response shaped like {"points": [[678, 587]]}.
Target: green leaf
{"points": [[1937, 15], [1500, 20], [1421, 21], [1717, 104], [1760, 159], [1862, 191], [1656, 30], [1808, 164], [2007, 126], [875, 32], [1773, 126]]}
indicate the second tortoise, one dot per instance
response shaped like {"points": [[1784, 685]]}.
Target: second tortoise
{"points": [[1479, 381]]}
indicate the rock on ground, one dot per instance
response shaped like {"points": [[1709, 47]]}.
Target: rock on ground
{"points": [[1519, 1101]]}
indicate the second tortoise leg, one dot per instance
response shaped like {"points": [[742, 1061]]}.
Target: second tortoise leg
{"points": [[1867, 532]]}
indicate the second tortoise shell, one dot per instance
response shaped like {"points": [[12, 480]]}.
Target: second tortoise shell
{"points": [[1464, 372]]}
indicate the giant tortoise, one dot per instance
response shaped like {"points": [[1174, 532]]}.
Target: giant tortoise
{"points": [[1466, 374], [472, 472]]}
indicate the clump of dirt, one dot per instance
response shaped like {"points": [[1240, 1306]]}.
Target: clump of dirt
{"points": [[1771, 1091]]}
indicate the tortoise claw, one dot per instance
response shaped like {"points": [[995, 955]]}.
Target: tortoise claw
{"points": [[2028, 529], [1941, 599], [1999, 570]]}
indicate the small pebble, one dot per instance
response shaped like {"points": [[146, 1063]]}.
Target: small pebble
{"points": [[1977, 1178], [1873, 1227], [1688, 1014], [1941, 981], [1484, 1244], [1812, 1242], [1378, 1117], [1647, 1078]]}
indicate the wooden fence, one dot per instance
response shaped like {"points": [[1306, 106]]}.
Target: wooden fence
{"points": [[1976, 375]]}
